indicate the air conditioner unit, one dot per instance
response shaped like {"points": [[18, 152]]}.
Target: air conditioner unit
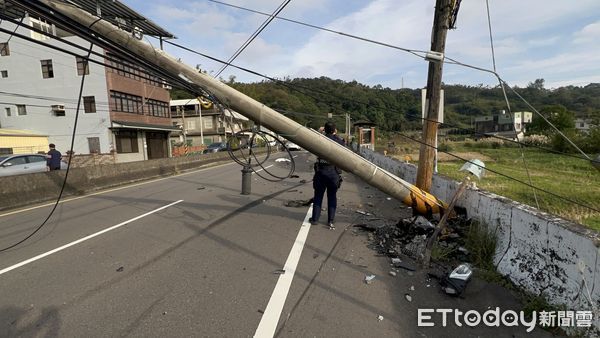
{"points": [[58, 107], [166, 86]]}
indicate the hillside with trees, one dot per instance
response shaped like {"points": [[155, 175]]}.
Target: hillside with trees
{"points": [[309, 101]]}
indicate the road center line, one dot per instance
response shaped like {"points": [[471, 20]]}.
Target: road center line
{"points": [[261, 169], [33, 259], [268, 323]]}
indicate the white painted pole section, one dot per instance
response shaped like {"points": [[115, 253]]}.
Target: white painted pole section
{"points": [[33, 259], [268, 323]]}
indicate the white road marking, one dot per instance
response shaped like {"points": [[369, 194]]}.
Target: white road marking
{"points": [[33, 259], [261, 169], [111, 190], [268, 323]]}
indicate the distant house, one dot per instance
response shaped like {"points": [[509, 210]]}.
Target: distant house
{"points": [[14, 141], [503, 124], [200, 123], [124, 109], [584, 124]]}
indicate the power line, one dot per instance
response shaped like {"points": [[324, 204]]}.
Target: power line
{"points": [[253, 36], [508, 105], [412, 51], [503, 175], [294, 86]]}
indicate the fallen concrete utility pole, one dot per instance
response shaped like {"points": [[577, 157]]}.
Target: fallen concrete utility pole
{"points": [[309, 139]]}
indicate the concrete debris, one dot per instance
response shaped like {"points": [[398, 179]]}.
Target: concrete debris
{"points": [[396, 260], [408, 237], [370, 204], [423, 222], [393, 273], [279, 272], [369, 279], [298, 203], [380, 317], [412, 288], [363, 212], [408, 297]]}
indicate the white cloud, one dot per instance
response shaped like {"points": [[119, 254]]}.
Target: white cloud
{"points": [[589, 34]]}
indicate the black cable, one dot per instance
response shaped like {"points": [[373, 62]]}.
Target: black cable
{"points": [[412, 51], [296, 86], [253, 36], [62, 188]]}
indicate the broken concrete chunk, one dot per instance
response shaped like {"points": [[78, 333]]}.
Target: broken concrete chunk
{"points": [[369, 279], [363, 212], [408, 297], [396, 260], [380, 317], [393, 273]]}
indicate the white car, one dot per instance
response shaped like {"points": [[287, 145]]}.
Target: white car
{"points": [[292, 146], [24, 164]]}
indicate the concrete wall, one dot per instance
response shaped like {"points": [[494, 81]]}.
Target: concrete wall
{"points": [[21, 190], [541, 253]]}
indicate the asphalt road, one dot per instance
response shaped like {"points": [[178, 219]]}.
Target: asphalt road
{"points": [[189, 255]]}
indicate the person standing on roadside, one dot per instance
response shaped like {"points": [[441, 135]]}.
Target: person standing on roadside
{"points": [[53, 158]]}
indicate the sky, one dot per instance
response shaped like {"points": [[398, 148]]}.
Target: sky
{"points": [[556, 40]]}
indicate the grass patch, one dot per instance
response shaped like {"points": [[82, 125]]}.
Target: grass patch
{"points": [[572, 178]]}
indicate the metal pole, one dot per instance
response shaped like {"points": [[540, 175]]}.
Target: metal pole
{"points": [[309, 139]]}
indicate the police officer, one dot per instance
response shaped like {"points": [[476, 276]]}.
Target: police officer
{"points": [[327, 178]]}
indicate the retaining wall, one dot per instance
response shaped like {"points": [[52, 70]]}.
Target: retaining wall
{"points": [[21, 190], [542, 253]]}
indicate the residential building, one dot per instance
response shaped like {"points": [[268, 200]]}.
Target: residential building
{"points": [[503, 124], [200, 123], [584, 124], [124, 111]]}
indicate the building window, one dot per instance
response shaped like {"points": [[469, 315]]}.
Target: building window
{"points": [[47, 71], [89, 104], [94, 144], [21, 109], [208, 122], [582, 124], [190, 125], [126, 103], [4, 50], [4, 73], [157, 108], [83, 67], [127, 142], [7, 109]]}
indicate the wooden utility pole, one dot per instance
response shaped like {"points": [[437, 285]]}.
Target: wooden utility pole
{"points": [[441, 22]]}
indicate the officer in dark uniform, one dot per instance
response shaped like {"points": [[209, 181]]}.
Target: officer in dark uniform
{"points": [[327, 178]]}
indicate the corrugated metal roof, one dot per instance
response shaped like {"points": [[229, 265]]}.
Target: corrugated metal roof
{"points": [[18, 132], [113, 11]]}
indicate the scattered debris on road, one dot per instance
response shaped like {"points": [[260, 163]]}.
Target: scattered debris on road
{"points": [[279, 272], [298, 203], [120, 269], [363, 212], [393, 273], [369, 279], [380, 317], [408, 297]]}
